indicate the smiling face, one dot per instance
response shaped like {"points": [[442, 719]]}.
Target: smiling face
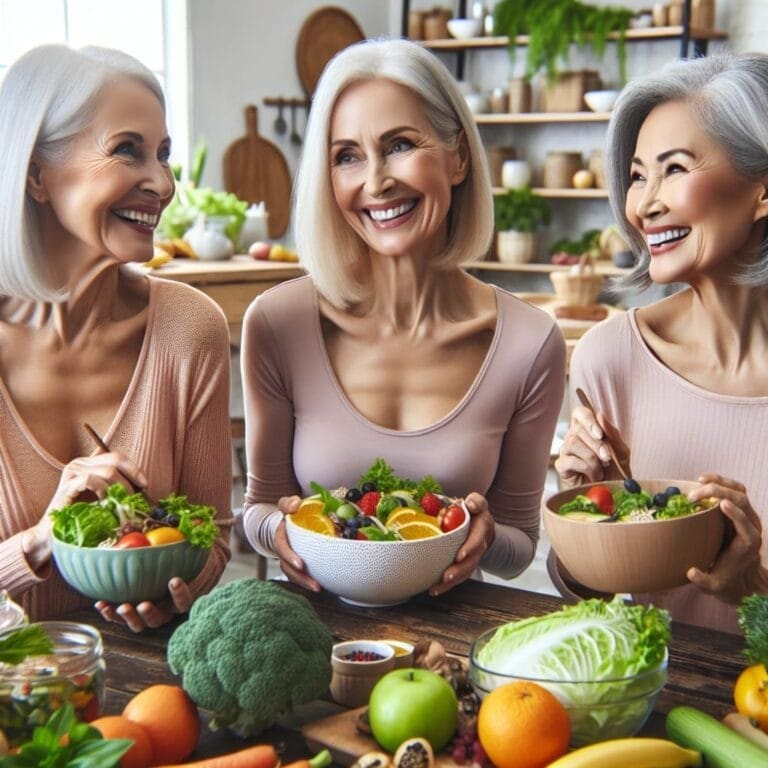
{"points": [[696, 212], [106, 195], [391, 174]]}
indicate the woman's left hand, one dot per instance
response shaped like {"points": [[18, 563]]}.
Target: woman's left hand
{"points": [[482, 531], [738, 570], [149, 615]]}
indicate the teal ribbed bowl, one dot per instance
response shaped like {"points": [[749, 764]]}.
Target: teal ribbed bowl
{"points": [[127, 575]]}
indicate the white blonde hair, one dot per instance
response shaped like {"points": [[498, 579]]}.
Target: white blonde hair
{"points": [[46, 99], [333, 254]]}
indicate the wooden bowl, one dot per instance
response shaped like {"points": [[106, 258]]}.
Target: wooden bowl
{"points": [[634, 556]]}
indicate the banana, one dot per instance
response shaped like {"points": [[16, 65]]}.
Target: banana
{"points": [[631, 753]]}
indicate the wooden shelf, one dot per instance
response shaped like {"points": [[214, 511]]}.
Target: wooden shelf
{"points": [[652, 33], [564, 194], [602, 268], [519, 118]]}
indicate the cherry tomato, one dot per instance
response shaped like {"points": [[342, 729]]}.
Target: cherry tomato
{"points": [[750, 694], [453, 518], [165, 535], [602, 498], [131, 540]]}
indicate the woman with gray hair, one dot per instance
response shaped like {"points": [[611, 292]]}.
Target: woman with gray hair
{"points": [[83, 339], [388, 348], [681, 385]]}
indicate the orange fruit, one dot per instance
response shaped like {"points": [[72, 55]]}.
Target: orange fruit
{"points": [[402, 515], [522, 725], [170, 718], [165, 535], [419, 530], [119, 727], [311, 515]]}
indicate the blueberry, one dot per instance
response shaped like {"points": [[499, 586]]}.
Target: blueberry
{"points": [[632, 486], [673, 490], [368, 487], [349, 533], [158, 513], [355, 522], [660, 500], [354, 495], [172, 520]]}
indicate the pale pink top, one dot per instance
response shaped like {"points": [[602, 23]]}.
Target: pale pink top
{"points": [[496, 440], [173, 422], [674, 429]]}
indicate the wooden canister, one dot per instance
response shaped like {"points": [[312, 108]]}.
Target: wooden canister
{"points": [[703, 14], [416, 25], [436, 24], [596, 165], [496, 159], [675, 13], [519, 95], [559, 168]]}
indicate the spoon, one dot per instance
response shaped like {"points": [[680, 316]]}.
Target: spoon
{"points": [[295, 136], [280, 124], [585, 402]]}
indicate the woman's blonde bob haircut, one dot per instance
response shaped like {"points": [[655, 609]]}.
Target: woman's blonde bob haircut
{"points": [[728, 97], [47, 98], [333, 254]]}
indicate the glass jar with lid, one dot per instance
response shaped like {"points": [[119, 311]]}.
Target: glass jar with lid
{"points": [[11, 614], [74, 672]]}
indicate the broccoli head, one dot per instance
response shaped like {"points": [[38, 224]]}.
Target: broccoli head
{"points": [[249, 652]]}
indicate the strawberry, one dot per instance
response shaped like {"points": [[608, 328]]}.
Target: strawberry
{"points": [[431, 504], [368, 503]]}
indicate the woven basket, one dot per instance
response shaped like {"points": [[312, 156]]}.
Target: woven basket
{"points": [[579, 288]]}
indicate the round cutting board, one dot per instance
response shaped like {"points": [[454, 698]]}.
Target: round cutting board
{"points": [[323, 34]]}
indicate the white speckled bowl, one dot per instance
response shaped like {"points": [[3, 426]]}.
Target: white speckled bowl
{"points": [[375, 573], [127, 575]]}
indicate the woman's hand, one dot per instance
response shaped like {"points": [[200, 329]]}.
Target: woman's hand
{"points": [[150, 615], [738, 570], [482, 531], [290, 563], [584, 455]]}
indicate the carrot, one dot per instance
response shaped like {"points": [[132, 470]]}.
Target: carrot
{"points": [[257, 756], [321, 760]]}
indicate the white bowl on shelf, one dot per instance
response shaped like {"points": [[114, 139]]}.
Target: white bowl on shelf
{"points": [[477, 102], [601, 101], [464, 29]]}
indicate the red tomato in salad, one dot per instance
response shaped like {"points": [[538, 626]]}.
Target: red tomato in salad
{"points": [[452, 519], [602, 498], [131, 540]]}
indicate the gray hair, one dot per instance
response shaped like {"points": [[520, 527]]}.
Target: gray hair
{"points": [[728, 96], [47, 98], [332, 253]]}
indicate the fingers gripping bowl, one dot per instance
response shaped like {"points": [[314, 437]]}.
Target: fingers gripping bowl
{"points": [[646, 555]]}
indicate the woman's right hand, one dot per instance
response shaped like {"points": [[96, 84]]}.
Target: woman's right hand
{"points": [[290, 563], [584, 456]]}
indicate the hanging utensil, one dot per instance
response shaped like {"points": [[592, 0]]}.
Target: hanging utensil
{"points": [[295, 136], [585, 402], [280, 124]]}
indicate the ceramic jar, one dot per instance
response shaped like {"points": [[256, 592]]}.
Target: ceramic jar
{"points": [[559, 168], [353, 679], [515, 174]]}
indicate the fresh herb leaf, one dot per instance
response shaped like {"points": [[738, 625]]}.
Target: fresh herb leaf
{"points": [[385, 480], [26, 641], [753, 620], [329, 500], [196, 521]]}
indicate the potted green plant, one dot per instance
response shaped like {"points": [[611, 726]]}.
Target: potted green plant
{"points": [[518, 214], [555, 25]]}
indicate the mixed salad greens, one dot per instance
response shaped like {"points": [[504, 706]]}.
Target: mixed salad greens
{"points": [[101, 523], [604, 660]]}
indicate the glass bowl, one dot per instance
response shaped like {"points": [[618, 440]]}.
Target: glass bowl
{"points": [[74, 672], [598, 709]]}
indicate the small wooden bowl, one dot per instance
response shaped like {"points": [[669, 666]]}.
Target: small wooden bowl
{"points": [[634, 556]]}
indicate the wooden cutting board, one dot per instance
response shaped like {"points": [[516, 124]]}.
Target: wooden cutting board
{"points": [[322, 35], [256, 170], [339, 734]]}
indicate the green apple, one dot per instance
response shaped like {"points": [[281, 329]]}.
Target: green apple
{"points": [[411, 702]]}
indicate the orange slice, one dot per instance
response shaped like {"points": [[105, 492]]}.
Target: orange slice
{"points": [[402, 515], [419, 529], [311, 515]]}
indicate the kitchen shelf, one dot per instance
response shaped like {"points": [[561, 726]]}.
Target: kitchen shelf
{"points": [[502, 41], [607, 269], [592, 193]]}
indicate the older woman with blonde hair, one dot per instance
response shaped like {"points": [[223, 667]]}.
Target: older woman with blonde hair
{"points": [[85, 339], [388, 348]]}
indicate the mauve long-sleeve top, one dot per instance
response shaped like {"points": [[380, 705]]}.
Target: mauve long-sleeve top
{"points": [[674, 429], [495, 441], [173, 422]]}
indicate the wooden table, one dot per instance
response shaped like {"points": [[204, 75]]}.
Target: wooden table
{"points": [[233, 283], [703, 664]]}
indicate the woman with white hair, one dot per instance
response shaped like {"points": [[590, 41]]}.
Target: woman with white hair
{"points": [[85, 340], [681, 385], [388, 348]]}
